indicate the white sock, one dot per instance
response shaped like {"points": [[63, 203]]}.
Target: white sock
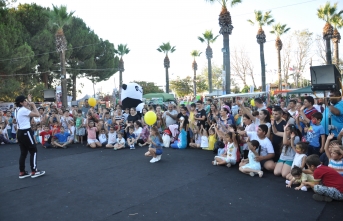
{"points": [[287, 182], [304, 188]]}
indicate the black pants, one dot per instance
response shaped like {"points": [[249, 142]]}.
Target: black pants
{"points": [[27, 144], [140, 141]]}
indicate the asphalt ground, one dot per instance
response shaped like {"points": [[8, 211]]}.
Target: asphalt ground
{"points": [[101, 184]]}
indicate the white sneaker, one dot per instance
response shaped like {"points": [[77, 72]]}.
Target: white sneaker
{"points": [[158, 157], [252, 174], [287, 182], [153, 160], [304, 188]]}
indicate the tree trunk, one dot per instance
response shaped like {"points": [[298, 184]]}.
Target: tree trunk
{"points": [[209, 75], [226, 62], [263, 68], [194, 83], [167, 81], [328, 52], [45, 80], [63, 80], [279, 68], [74, 87], [120, 80], [336, 54]]}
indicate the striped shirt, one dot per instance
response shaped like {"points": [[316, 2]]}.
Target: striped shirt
{"points": [[337, 165]]}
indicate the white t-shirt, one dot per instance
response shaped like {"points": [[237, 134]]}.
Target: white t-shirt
{"points": [[168, 119], [121, 141], [102, 138], [23, 118], [112, 137], [138, 132], [204, 142], [292, 113], [266, 145]]}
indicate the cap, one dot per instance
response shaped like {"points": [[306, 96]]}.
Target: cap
{"points": [[19, 99]]}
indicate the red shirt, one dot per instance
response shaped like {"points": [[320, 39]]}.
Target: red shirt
{"points": [[309, 112], [329, 177], [45, 136]]}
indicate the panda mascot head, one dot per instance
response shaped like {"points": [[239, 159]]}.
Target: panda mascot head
{"points": [[131, 96]]}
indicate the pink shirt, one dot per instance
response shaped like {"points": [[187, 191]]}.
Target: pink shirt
{"points": [[91, 132]]}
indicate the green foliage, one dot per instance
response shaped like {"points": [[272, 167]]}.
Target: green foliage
{"points": [[60, 17], [184, 86], [217, 79], [208, 37], [195, 53], [261, 19], [149, 87], [245, 89], [166, 48], [327, 11], [224, 2], [122, 50], [279, 29]]}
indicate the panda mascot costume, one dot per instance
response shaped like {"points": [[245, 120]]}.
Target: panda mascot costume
{"points": [[131, 96]]}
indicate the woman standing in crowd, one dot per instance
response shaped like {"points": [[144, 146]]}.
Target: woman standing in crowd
{"points": [[225, 117], [213, 115]]}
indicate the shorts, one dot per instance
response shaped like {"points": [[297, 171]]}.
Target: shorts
{"points": [[159, 151], [80, 131], [90, 141], [61, 143], [288, 162]]}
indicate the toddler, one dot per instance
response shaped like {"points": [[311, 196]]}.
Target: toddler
{"points": [[299, 177], [251, 166], [120, 142]]}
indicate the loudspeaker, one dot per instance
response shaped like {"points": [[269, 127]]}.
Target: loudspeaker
{"points": [[325, 77], [49, 95]]}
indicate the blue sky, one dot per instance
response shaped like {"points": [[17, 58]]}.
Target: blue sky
{"points": [[144, 25]]}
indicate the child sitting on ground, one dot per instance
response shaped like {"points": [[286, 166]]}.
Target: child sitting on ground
{"points": [[230, 155], [120, 142], [300, 156], [196, 137], [204, 138], [103, 136], [331, 187], [156, 145], [131, 138], [299, 177], [335, 155], [61, 138], [250, 165], [46, 137], [112, 137], [91, 135], [211, 138]]}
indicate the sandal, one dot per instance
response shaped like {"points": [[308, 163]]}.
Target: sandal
{"points": [[260, 174]]}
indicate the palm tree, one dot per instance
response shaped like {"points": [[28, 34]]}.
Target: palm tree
{"points": [[165, 48], [326, 13], [195, 53], [226, 27], [262, 20], [337, 21], [59, 17], [208, 38], [279, 30], [121, 51]]}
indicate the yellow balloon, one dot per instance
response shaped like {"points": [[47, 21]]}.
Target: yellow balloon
{"points": [[150, 118], [92, 102], [252, 102]]}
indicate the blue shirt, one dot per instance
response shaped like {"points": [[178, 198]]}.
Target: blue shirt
{"points": [[337, 121], [62, 137], [157, 142], [131, 136], [313, 134]]}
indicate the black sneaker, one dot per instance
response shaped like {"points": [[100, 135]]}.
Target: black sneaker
{"points": [[37, 174], [23, 175]]}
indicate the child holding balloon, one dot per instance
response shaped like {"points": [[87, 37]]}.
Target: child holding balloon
{"points": [[155, 151]]}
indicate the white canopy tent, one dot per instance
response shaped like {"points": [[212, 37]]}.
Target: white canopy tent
{"points": [[242, 95]]}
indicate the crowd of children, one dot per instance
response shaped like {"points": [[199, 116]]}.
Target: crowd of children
{"points": [[291, 142]]}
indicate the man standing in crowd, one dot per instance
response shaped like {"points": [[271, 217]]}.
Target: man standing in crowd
{"points": [[25, 135], [170, 115], [259, 104], [291, 108], [307, 111], [335, 112], [201, 114], [85, 108], [277, 125]]}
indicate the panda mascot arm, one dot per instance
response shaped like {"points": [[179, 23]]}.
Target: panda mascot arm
{"points": [[132, 96]]}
